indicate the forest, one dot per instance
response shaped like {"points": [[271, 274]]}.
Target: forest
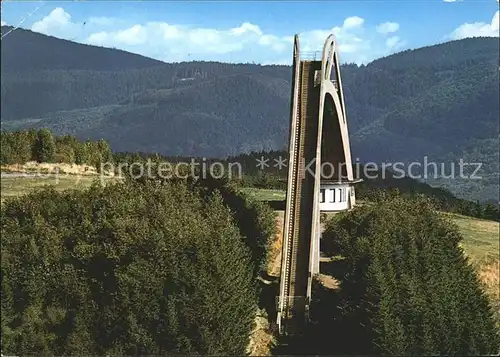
{"points": [[41, 145], [130, 269], [150, 266], [407, 288]]}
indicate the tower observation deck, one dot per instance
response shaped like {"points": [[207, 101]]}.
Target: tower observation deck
{"points": [[318, 140]]}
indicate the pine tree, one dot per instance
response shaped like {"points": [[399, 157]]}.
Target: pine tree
{"points": [[408, 281], [6, 152], [45, 147], [128, 269]]}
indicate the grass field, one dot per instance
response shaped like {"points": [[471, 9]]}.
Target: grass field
{"points": [[12, 186], [262, 194], [481, 244], [480, 237]]}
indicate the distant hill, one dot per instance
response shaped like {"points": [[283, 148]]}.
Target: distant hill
{"points": [[24, 50], [439, 101]]}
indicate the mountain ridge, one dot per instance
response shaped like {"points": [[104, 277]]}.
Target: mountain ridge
{"points": [[62, 54]]}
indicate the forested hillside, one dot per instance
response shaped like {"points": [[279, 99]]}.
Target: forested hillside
{"points": [[438, 101], [24, 50], [404, 287], [119, 273]]}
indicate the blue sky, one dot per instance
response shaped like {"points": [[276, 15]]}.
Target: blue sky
{"points": [[256, 31]]}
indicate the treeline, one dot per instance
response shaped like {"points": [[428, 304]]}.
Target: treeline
{"points": [[444, 200], [41, 145], [272, 177], [143, 157], [407, 288], [256, 220], [144, 267]]}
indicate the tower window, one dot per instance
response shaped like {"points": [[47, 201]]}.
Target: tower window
{"points": [[341, 195]]}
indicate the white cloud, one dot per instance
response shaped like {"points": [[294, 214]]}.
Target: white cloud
{"points": [[3, 23], [477, 29], [56, 19], [394, 43], [353, 21], [387, 27], [351, 45], [98, 38], [57, 23], [132, 36], [246, 42], [164, 39], [449, 0], [103, 21], [246, 28], [276, 43], [135, 35]]}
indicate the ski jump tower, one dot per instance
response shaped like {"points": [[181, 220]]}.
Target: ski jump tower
{"points": [[320, 176]]}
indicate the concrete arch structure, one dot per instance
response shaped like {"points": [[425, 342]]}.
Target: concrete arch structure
{"points": [[331, 85], [318, 135]]}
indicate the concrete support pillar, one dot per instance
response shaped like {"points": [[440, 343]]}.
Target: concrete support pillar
{"points": [[316, 248]]}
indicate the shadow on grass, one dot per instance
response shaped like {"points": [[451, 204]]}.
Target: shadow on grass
{"points": [[269, 291], [277, 205]]}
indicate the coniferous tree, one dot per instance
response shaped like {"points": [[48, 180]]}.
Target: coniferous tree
{"points": [[6, 152], [129, 269], [65, 152], [45, 147], [81, 153], [408, 282]]}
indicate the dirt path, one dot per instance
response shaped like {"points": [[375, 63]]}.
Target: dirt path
{"points": [[33, 167], [262, 338], [274, 261]]}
